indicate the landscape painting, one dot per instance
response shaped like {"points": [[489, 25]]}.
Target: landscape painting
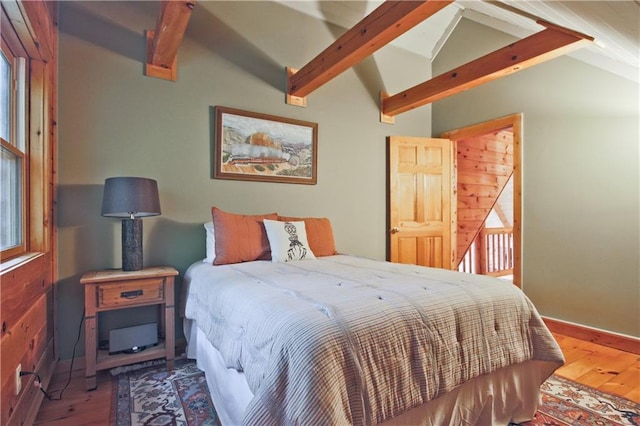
{"points": [[262, 147]]}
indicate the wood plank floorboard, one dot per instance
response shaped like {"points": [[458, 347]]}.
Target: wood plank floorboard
{"points": [[601, 367], [77, 407], [607, 369]]}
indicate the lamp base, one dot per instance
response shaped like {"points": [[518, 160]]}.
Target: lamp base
{"points": [[132, 244]]}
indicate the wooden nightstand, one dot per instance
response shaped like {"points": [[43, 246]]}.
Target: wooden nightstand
{"points": [[115, 289]]}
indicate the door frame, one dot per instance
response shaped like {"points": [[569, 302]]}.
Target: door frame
{"points": [[513, 121]]}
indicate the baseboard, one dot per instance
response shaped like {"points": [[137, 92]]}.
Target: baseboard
{"points": [[601, 337]]}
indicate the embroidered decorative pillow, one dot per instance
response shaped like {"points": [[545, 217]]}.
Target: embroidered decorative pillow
{"points": [[288, 241], [240, 238], [319, 234]]}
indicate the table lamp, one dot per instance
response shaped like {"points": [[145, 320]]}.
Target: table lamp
{"points": [[130, 198]]}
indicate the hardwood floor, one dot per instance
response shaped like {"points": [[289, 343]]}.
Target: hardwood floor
{"points": [[600, 367], [607, 369], [77, 406]]}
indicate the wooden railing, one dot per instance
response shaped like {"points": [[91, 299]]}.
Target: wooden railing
{"points": [[470, 262], [490, 254]]}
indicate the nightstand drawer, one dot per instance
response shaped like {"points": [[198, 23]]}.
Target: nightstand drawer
{"points": [[130, 293]]}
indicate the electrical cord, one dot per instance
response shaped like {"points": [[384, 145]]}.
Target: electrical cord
{"points": [[38, 381]]}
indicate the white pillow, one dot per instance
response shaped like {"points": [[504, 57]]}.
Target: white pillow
{"points": [[211, 242], [288, 241]]}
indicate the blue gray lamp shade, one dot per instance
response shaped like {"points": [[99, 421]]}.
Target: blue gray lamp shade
{"points": [[131, 198]]}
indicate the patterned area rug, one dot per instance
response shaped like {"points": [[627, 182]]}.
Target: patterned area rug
{"points": [[155, 396], [565, 402]]}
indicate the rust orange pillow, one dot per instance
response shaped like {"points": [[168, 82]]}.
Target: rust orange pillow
{"points": [[319, 234], [240, 238]]}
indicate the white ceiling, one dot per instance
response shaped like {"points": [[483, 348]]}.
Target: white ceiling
{"points": [[615, 25]]}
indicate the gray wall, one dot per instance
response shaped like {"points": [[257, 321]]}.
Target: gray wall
{"points": [[113, 121], [580, 178]]}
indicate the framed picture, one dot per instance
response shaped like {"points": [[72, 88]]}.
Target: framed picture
{"points": [[261, 147]]}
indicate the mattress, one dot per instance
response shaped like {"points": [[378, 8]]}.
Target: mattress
{"points": [[373, 342]]}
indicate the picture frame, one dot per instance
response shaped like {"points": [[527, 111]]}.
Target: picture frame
{"points": [[261, 147]]}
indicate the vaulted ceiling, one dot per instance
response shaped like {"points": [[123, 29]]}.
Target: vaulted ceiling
{"points": [[615, 25], [423, 27], [390, 20]]}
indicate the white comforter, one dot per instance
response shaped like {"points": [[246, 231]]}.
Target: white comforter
{"points": [[346, 340]]}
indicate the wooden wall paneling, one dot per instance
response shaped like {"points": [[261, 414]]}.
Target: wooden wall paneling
{"points": [[479, 166], [472, 215], [470, 151], [467, 232], [475, 202], [38, 357], [471, 190], [17, 340], [22, 287], [484, 168], [26, 408], [496, 142], [462, 247], [51, 309], [469, 227], [45, 365], [37, 346], [15, 347], [27, 298], [487, 179]]}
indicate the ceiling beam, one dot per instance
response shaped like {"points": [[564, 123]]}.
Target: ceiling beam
{"points": [[163, 43], [547, 44], [390, 20]]}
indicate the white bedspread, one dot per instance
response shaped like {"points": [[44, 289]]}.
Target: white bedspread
{"points": [[345, 340]]}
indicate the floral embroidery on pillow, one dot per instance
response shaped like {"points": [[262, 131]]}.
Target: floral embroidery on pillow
{"points": [[288, 241], [296, 251]]}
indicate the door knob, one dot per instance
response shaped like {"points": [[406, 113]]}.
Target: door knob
{"points": [[395, 230]]}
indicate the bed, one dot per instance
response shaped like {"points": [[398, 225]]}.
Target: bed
{"points": [[338, 339]]}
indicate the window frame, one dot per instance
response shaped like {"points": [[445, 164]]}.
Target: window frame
{"points": [[38, 62], [13, 54]]}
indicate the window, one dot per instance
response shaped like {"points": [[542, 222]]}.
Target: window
{"points": [[13, 161]]}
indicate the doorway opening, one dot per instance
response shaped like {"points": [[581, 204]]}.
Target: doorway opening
{"points": [[489, 197]]}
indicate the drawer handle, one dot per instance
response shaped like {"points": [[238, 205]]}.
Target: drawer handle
{"points": [[131, 294]]}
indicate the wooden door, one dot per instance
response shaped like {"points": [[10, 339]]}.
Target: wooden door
{"points": [[421, 201]]}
